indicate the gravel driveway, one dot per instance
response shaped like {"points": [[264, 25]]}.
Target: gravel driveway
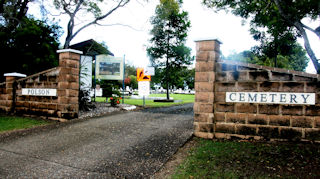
{"points": [[123, 145]]}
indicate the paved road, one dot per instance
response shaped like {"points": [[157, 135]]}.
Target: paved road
{"points": [[124, 145]]}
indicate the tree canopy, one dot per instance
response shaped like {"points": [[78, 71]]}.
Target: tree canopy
{"points": [[30, 47], [169, 33], [295, 60], [276, 19]]}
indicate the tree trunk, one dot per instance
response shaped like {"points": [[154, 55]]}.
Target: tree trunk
{"points": [[307, 46], [69, 34]]}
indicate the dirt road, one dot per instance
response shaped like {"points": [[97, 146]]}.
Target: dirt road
{"points": [[124, 145]]}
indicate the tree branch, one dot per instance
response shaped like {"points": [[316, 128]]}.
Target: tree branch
{"points": [[120, 4], [118, 24]]}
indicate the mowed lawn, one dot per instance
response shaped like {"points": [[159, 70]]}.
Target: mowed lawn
{"points": [[180, 98], [249, 159], [12, 123]]}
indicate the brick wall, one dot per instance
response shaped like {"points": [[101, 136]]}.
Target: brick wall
{"points": [[64, 78], [216, 118]]}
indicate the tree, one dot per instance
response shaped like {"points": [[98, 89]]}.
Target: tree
{"points": [[30, 47], [278, 17], [12, 12], [167, 49], [74, 8], [295, 60]]}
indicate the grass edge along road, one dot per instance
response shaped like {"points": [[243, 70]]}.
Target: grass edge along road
{"points": [[181, 98], [9, 123], [250, 159]]}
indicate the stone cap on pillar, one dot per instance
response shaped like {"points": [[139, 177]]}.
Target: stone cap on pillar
{"points": [[208, 39], [15, 74], [70, 50]]}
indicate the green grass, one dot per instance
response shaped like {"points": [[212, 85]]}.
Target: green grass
{"points": [[185, 98], [11, 123], [234, 159]]}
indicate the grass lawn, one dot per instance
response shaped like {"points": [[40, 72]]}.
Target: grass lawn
{"points": [[234, 159], [11, 123], [185, 98]]}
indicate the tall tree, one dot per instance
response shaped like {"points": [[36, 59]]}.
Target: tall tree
{"points": [[75, 8], [296, 59], [277, 16], [167, 49]]}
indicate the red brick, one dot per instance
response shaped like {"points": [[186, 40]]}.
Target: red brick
{"points": [[205, 97], [206, 108], [63, 85], [220, 97], [236, 118], [209, 45], [246, 129], [269, 109], [204, 86], [72, 93], [220, 117], [202, 56], [52, 106], [302, 78], [196, 107], [73, 100], [278, 76], [302, 121], [205, 127], [204, 66], [225, 128], [312, 134], [293, 87], [257, 119], [258, 76], [72, 64], [74, 85], [246, 108], [292, 134], [292, 110], [268, 132], [225, 87], [221, 76], [204, 77], [313, 87], [278, 120], [317, 122], [222, 107], [203, 117], [247, 86], [313, 110]]}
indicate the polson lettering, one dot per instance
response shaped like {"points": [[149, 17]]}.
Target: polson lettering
{"points": [[39, 92], [271, 97]]}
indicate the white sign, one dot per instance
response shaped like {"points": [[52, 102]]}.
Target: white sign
{"points": [[144, 88], [85, 72], [39, 92], [271, 97], [149, 71]]}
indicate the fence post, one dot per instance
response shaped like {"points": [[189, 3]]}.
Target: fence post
{"points": [[207, 52], [68, 83], [11, 89]]}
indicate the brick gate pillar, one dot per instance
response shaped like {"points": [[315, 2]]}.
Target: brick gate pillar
{"points": [[207, 52], [68, 83], [10, 89]]}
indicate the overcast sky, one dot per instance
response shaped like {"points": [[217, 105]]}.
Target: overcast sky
{"points": [[132, 41]]}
